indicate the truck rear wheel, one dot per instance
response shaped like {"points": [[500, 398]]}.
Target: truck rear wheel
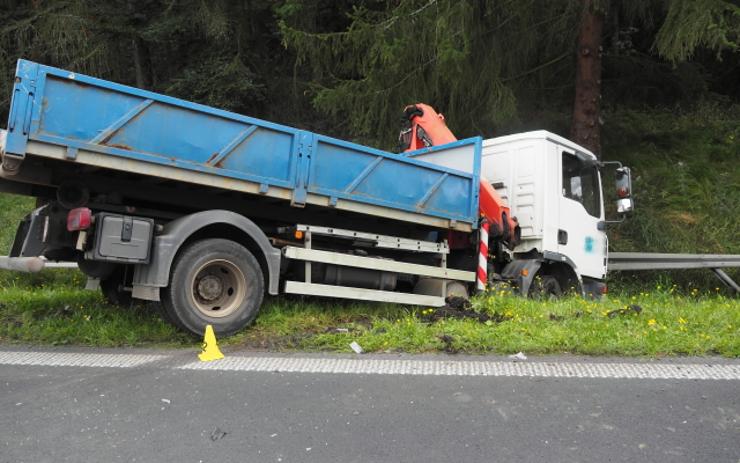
{"points": [[214, 282]]}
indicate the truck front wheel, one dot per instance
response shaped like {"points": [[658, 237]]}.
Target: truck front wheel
{"points": [[545, 287], [214, 282]]}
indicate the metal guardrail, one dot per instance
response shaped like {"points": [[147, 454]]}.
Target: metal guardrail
{"points": [[621, 261]]}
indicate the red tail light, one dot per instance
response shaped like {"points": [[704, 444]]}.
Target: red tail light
{"points": [[604, 289], [79, 219]]}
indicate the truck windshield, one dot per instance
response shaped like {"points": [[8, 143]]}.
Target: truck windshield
{"points": [[581, 183]]}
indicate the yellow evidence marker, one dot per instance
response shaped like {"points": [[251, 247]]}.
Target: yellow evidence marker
{"points": [[210, 347]]}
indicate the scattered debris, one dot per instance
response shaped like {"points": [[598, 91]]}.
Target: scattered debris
{"points": [[333, 329], [455, 302], [556, 318], [356, 347], [167, 401], [518, 357], [65, 311], [460, 308], [433, 315], [632, 309], [448, 340], [217, 434]]}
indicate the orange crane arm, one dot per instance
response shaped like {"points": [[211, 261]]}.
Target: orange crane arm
{"points": [[424, 127]]}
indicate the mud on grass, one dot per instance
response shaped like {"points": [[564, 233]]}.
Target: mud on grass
{"points": [[642, 324], [55, 311]]}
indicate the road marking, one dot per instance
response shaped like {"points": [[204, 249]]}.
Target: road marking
{"points": [[72, 359], [376, 366], [472, 368]]}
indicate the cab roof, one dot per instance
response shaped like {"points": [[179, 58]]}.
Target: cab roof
{"points": [[539, 135]]}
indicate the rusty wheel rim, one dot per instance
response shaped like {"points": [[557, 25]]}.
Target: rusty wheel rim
{"points": [[218, 288]]}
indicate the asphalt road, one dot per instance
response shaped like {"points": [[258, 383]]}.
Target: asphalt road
{"points": [[152, 411]]}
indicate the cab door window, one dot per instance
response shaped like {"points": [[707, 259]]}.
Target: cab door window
{"points": [[581, 183]]}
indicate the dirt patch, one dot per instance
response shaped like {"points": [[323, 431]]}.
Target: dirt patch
{"points": [[683, 217], [632, 309], [459, 309], [448, 340]]}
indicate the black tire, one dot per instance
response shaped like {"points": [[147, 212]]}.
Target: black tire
{"points": [[214, 282], [112, 288], [545, 287]]}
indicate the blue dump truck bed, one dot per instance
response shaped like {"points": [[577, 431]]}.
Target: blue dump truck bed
{"points": [[74, 118]]}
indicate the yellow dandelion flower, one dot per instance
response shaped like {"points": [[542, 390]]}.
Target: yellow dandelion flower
{"points": [[651, 322]]}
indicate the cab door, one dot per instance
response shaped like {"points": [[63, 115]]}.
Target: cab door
{"points": [[579, 237]]}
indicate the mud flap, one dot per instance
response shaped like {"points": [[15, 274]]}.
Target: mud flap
{"points": [[522, 273]]}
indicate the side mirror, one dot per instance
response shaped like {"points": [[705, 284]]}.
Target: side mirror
{"points": [[625, 205], [624, 190]]}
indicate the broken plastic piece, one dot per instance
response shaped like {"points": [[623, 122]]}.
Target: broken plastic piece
{"points": [[356, 347], [519, 356]]}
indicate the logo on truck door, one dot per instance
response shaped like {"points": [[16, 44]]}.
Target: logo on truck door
{"points": [[589, 245]]}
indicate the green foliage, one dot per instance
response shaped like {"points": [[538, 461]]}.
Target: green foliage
{"points": [[467, 57], [201, 51], [12, 209], [669, 324], [686, 180], [490, 67], [222, 82], [485, 65], [64, 316], [692, 24]]}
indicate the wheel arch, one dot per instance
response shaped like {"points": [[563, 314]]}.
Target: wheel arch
{"points": [[207, 224], [524, 270], [564, 270]]}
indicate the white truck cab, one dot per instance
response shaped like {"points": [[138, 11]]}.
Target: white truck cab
{"points": [[553, 188]]}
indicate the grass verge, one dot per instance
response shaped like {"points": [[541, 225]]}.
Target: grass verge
{"points": [[667, 323]]}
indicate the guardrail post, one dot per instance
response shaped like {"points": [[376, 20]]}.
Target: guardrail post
{"points": [[725, 278]]}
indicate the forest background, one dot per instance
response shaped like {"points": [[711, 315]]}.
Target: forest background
{"points": [[652, 83]]}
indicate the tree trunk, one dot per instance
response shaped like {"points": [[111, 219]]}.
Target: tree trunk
{"points": [[585, 128], [142, 63]]}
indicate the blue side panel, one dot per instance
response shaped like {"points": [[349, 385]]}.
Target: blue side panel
{"points": [[79, 112], [343, 170], [132, 123], [22, 106]]}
